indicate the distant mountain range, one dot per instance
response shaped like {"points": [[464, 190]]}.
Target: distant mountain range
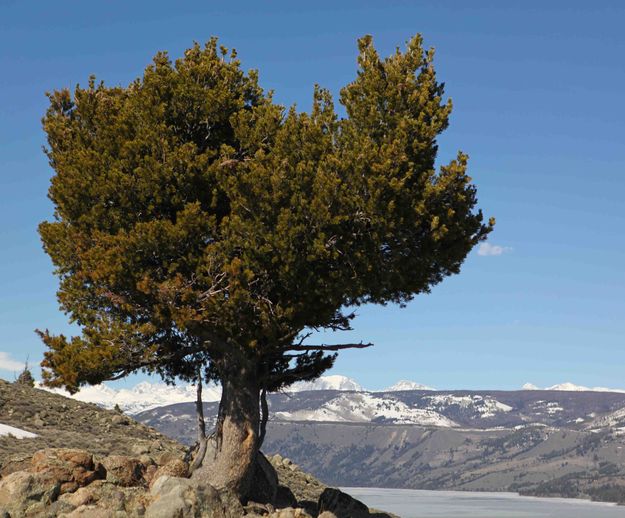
{"points": [[547, 442], [571, 387], [148, 395]]}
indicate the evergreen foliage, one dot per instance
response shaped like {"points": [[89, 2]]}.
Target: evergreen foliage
{"points": [[194, 216], [25, 377]]}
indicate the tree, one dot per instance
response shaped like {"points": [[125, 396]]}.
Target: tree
{"points": [[25, 377], [199, 224]]}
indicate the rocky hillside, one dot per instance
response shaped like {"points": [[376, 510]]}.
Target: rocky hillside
{"points": [[569, 443], [65, 458], [58, 422]]}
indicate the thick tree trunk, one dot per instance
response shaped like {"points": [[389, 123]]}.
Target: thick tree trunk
{"points": [[231, 463]]}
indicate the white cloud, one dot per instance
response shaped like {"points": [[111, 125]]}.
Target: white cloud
{"points": [[488, 249], [9, 364]]}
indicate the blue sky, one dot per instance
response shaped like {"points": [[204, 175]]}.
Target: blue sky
{"points": [[538, 106]]}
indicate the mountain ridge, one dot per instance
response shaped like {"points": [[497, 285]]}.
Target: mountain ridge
{"points": [[147, 395], [544, 442]]}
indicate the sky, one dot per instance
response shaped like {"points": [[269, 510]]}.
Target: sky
{"points": [[538, 101]]}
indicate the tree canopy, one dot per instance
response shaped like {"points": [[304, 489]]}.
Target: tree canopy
{"points": [[197, 219]]}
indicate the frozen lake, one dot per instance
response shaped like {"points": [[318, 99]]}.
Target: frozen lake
{"points": [[409, 503]]}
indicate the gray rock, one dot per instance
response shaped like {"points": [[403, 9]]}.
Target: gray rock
{"points": [[23, 493], [285, 497], [265, 481], [289, 512], [175, 497], [341, 504], [120, 420], [124, 471]]}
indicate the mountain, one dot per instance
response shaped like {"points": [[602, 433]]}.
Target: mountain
{"points": [[571, 387], [147, 395], [406, 385], [141, 397], [425, 439], [364, 407], [333, 382]]}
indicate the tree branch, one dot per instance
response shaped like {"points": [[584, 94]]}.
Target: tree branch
{"points": [[323, 347]]}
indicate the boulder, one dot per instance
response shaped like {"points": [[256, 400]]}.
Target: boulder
{"points": [[72, 468], [23, 493], [264, 482], [102, 497], [174, 468], [290, 512], [341, 504], [186, 498], [13, 464], [285, 497], [254, 508], [120, 420], [124, 471]]}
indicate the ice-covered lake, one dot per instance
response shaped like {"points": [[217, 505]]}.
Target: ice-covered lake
{"points": [[409, 503]]}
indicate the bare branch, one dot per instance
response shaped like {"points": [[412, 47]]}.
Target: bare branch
{"points": [[323, 347]]}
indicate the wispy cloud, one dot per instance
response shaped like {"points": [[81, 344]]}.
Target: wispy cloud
{"points": [[488, 249], [9, 364]]}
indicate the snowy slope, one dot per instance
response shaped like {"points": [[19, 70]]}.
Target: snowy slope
{"points": [[406, 385], [614, 419], [147, 395], [18, 433], [143, 396], [571, 387], [360, 407], [480, 405], [334, 382]]}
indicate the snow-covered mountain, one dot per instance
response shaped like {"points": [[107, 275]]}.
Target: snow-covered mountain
{"points": [[147, 395], [406, 385], [334, 382], [144, 396], [571, 387], [483, 406], [364, 407]]}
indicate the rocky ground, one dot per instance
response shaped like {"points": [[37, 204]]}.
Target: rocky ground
{"points": [[88, 462]]}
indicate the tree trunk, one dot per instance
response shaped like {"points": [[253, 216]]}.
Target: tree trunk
{"points": [[232, 462]]}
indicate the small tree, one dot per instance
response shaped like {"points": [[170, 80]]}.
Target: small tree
{"points": [[198, 223], [25, 377]]}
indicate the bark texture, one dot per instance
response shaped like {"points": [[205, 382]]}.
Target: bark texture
{"points": [[230, 465]]}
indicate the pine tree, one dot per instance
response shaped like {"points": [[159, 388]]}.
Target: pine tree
{"points": [[26, 377], [199, 224]]}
